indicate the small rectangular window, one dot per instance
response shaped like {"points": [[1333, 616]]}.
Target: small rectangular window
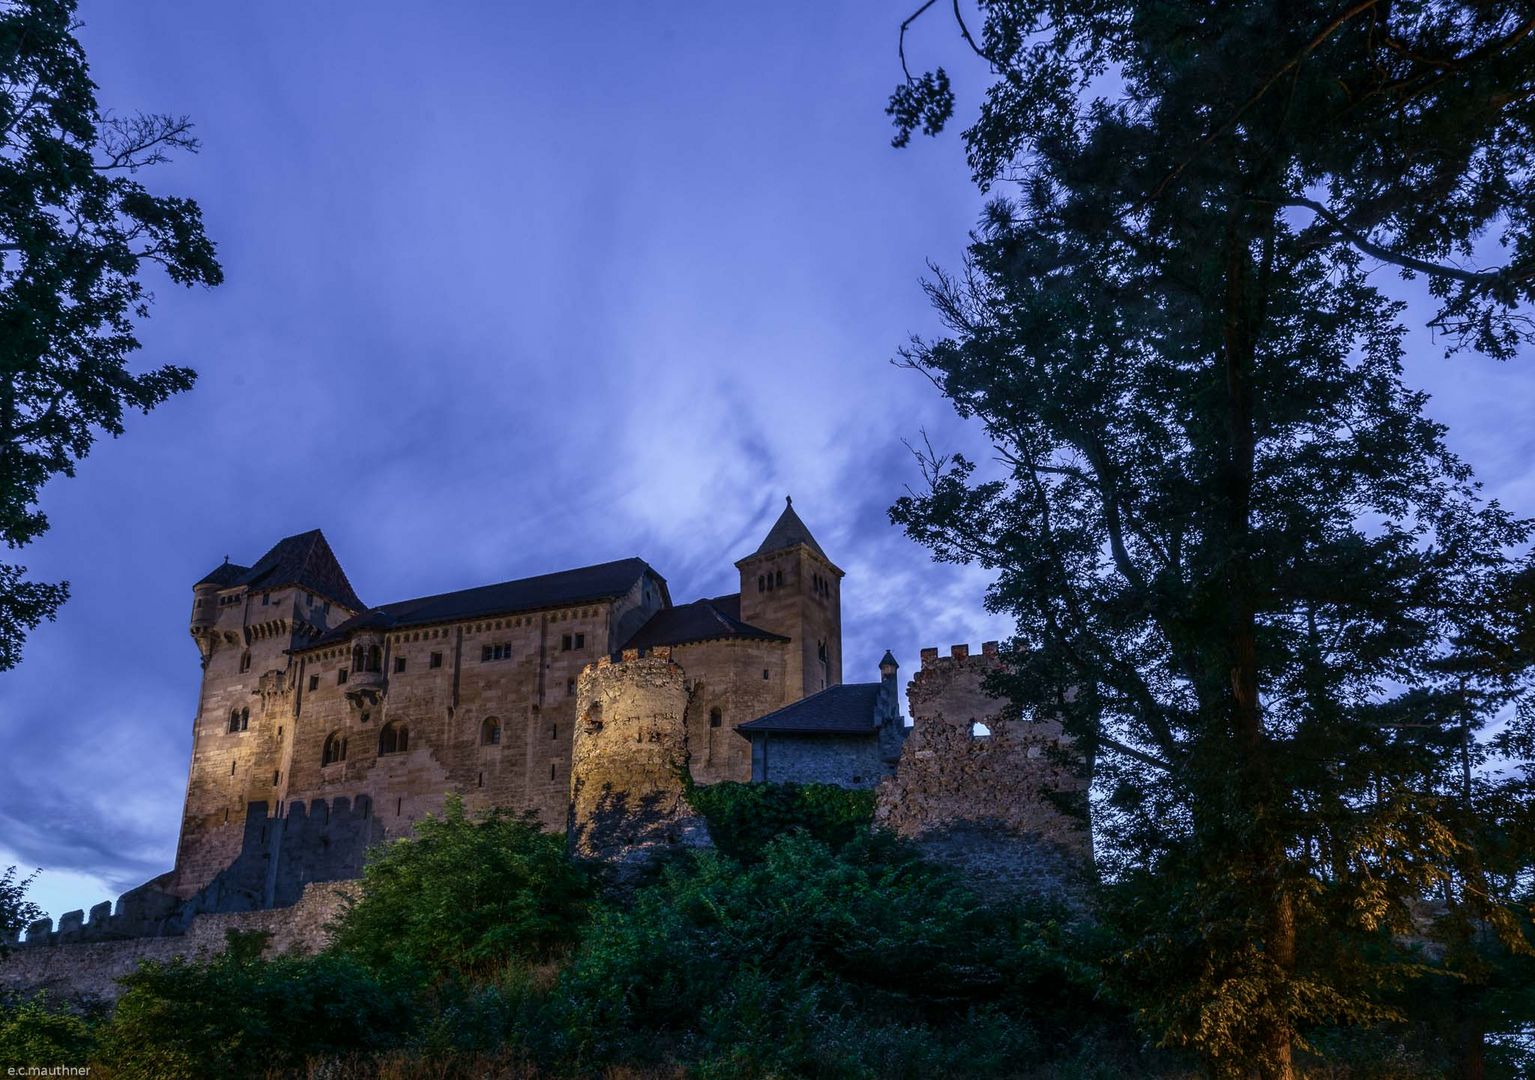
{"points": [[551, 770], [580, 641], [314, 682], [554, 731], [266, 599], [399, 664], [435, 661], [570, 687], [565, 643], [341, 676], [484, 653], [275, 776], [764, 673]]}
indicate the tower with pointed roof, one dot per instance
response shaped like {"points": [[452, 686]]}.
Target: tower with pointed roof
{"points": [[790, 587]]}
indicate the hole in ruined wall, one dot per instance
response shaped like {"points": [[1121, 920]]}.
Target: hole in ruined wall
{"points": [[979, 730], [594, 718]]}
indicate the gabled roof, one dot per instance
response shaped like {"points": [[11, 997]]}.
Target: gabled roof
{"points": [[305, 560], [845, 709], [605, 581], [788, 531], [702, 620]]}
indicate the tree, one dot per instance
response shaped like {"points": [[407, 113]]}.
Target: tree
{"points": [[1224, 521], [77, 231], [16, 911], [466, 896]]}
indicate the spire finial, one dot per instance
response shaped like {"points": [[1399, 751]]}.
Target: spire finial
{"points": [[226, 560], [789, 499]]}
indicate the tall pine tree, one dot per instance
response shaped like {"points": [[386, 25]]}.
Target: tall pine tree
{"points": [[1244, 563]]}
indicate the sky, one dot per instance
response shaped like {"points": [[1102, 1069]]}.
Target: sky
{"points": [[512, 288]]}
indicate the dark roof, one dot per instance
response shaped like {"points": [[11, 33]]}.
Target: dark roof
{"points": [[788, 531], [605, 581], [888, 660], [846, 709], [228, 574], [702, 620], [305, 560]]}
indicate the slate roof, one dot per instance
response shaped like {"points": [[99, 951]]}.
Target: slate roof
{"points": [[605, 581], [788, 531], [702, 620], [846, 709], [305, 560]]}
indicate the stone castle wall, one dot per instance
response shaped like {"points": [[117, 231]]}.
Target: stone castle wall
{"points": [[982, 791], [89, 969], [626, 792]]}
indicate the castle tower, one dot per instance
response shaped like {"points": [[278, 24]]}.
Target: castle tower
{"points": [[244, 621], [626, 789], [790, 587]]}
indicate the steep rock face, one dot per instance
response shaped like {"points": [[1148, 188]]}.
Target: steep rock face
{"points": [[626, 791], [983, 792]]}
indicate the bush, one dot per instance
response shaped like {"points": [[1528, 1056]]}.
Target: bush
{"points": [[34, 1034], [237, 1015], [811, 962], [465, 896], [744, 818]]}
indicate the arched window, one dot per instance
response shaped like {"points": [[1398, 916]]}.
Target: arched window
{"points": [[490, 732], [335, 749], [357, 658], [716, 717], [234, 719], [394, 739], [375, 658], [778, 579], [761, 582], [245, 719]]}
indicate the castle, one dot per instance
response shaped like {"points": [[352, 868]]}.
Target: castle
{"points": [[325, 726]]}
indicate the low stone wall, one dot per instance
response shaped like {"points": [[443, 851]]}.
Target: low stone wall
{"points": [[90, 970]]}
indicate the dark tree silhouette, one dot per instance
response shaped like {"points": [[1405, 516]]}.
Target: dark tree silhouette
{"points": [[77, 231], [1244, 564]]}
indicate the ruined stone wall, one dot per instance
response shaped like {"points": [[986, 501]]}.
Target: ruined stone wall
{"points": [[743, 679], [982, 799], [626, 801], [90, 969]]}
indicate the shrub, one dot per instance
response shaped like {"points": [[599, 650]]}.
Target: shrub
{"points": [[810, 962], [32, 1033], [238, 1015], [465, 896], [744, 818]]}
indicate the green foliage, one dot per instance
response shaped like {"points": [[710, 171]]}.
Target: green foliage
{"points": [[1245, 566], [16, 911], [237, 1015], [33, 1034], [809, 962], [77, 228], [465, 896], [744, 818]]}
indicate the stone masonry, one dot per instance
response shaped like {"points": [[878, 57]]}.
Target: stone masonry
{"points": [[980, 790], [631, 747]]}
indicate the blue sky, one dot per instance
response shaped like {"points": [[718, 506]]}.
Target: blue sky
{"points": [[512, 288]]}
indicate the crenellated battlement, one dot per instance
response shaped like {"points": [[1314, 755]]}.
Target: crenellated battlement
{"points": [[959, 654], [282, 852]]}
